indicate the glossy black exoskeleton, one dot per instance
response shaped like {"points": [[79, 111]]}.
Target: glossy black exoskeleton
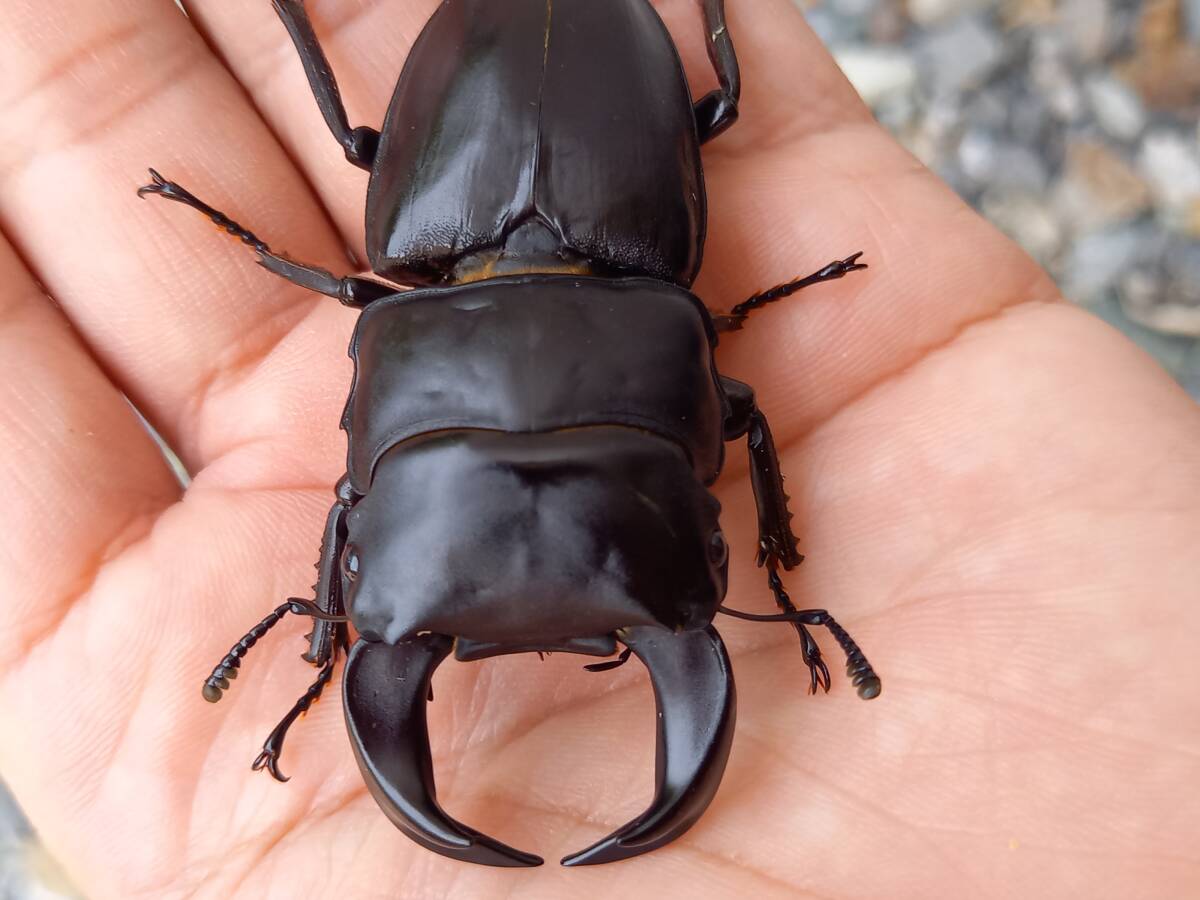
{"points": [[533, 429]]}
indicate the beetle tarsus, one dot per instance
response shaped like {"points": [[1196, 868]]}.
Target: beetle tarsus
{"points": [[610, 664], [862, 675], [273, 746], [174, 191], [269, 760], [350, 290]]}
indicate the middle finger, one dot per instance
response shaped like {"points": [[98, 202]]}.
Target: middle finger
{"points": [[94, 91]]}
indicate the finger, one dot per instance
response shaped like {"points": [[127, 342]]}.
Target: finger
{"points": [[366, 47], [94, 92], [85, 479]]}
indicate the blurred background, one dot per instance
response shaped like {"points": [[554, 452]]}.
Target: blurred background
{"points": [[1073, 125]]}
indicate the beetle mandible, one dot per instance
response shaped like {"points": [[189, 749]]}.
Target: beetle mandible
{"points": [[534, 426]]}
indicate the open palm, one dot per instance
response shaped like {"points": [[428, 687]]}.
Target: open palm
{"points": [[996, 493]]}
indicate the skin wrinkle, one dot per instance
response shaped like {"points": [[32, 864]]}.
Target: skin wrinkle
{"points": [[876, 809], [1088, 732], [67, 63], [135, 530], [185, 61], [229, 375], [687, 841]]}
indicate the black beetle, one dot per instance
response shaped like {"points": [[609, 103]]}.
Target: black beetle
{"points": [[533, 430]]}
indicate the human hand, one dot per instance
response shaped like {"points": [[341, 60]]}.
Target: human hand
{"points": [[996, 493]]}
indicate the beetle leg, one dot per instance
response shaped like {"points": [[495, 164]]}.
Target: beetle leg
{"points": [[718, 109], [775, 538], [836, 269], [273, 745], [351, 290], [360, 143], [326, 636], [861, 672]]}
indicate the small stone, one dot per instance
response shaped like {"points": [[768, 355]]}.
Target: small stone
{"points": [[1116, 106], [1030, 119], [988, 108], [877, 73], [1050, 74], [1098, 188], [959, 56], [1191, 20], [1170, 163], [1097, 261], [1085, 24], [888, 23], [1027, 219], [1000, 164], [896, 111], [1166, 297], [1025, 13], [934, 12], [832, 29], [853, 9]]}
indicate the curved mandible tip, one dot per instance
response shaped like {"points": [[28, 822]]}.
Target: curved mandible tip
{"points": [[385, 689], [693, 690]]}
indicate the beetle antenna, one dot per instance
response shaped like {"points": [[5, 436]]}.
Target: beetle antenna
{"points": [[227, 669]]}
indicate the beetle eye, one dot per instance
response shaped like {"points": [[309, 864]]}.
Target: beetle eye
{"points": [[350, 562], [718, 549]]}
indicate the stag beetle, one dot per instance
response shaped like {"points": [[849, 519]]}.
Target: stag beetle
{"points": [[533, 426]]}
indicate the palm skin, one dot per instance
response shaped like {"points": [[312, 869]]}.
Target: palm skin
{"points": [[997, 495]]}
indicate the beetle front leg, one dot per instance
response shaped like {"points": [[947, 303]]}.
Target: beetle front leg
{"points": [[836, 269], [327, 635], [351, 290], [718, 109], [360, 143]]}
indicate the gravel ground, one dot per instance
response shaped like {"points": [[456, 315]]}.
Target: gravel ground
{"points": [[1070, 124]]}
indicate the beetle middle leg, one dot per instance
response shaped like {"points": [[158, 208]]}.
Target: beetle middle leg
{"points": [[836, 269], [350, 290]]}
